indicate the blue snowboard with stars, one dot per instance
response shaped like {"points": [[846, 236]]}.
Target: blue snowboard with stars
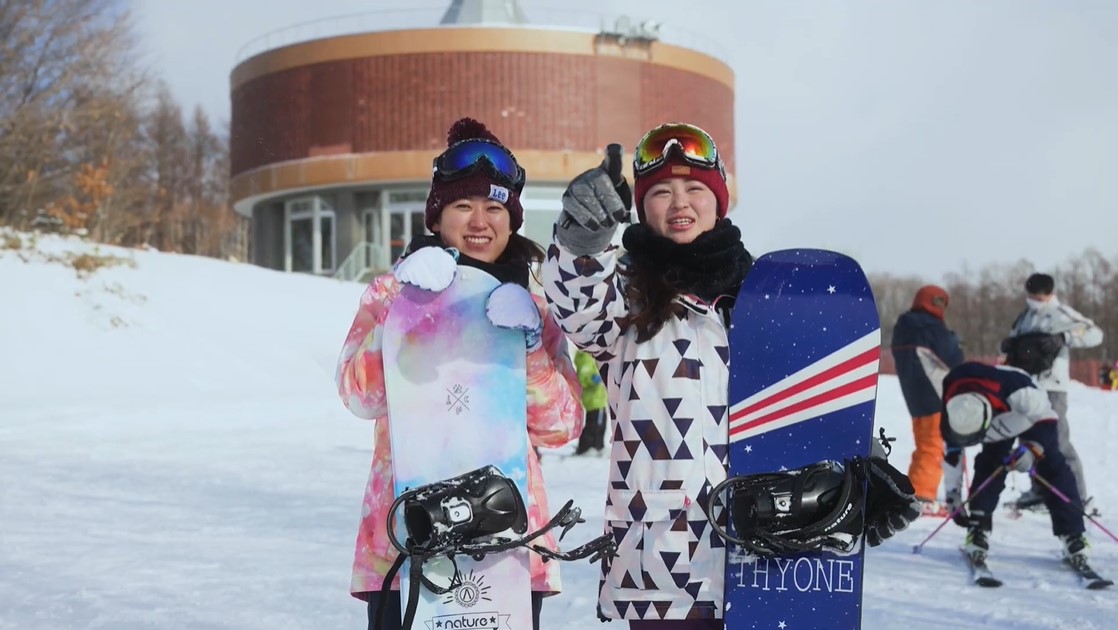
{"points": [[805, 342]]}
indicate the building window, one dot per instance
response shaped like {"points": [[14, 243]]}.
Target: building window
{"points": [[406, 212], [407, 196], [327, 251], [302, 244], [310, 236], [405, 223], [370, 220], [541, 208]]}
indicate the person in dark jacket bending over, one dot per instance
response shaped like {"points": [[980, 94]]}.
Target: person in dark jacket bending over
{"points": [[923, 349], [992, 405]]}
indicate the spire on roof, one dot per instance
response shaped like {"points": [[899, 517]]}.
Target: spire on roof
{"points": [[483, 12]]}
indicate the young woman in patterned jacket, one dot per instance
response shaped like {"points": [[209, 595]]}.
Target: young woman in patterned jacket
{"points": [[656, 319], [474, 207]]}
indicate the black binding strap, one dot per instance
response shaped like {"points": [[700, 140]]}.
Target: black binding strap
{"points": [[567, 517], [772, 539]]}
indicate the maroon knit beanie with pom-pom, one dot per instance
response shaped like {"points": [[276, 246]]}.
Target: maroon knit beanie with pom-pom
{"points": [[479, 184]]}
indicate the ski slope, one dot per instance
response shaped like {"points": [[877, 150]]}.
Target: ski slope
{"points": [[173, 454]]}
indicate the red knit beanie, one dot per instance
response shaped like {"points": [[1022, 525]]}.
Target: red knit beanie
{"points": [[477, 185], [676, 166]]}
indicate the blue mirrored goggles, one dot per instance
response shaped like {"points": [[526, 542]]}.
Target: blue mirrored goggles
{"points": [[467, 157]]}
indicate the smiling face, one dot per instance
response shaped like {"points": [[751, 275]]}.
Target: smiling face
{"points": [[476, 226], [680, 209]]}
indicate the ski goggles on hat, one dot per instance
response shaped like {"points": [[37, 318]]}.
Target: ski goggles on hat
{"points": [[467, 157], [694, 145]]}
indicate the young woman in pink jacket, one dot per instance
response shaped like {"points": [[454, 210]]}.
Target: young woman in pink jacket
{"points": [[476, 211]]}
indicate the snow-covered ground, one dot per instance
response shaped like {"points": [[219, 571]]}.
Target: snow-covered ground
{"points": [[173, 455]]}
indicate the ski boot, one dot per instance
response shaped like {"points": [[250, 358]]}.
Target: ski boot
{"points": [[932, 508], [1030, 500], [1075, 548], [977, 543], [1075, 555]]}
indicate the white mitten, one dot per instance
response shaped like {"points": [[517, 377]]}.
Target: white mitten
{"points": [[429, 268], [511, 306]]}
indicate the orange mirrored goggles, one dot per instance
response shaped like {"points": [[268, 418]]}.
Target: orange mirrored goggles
{"points": [[694, 145]]}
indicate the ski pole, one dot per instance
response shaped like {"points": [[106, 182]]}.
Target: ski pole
{"points": [[1063, 497], [997, 471]]}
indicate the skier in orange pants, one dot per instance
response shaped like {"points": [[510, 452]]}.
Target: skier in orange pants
{"points": [[923, 350]]}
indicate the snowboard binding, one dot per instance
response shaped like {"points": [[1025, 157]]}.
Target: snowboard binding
{"points": [[474, 514], [810, 509], [474, 506]]}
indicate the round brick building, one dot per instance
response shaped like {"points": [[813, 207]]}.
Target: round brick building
{"points": [[332, 139]]}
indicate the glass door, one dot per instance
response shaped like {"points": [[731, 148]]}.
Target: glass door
{"points": [[327, 252], [309, 236], [405, 223], [302, 244], [374, 235]]}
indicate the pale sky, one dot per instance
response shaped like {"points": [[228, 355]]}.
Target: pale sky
{"points": [[914, 135]]}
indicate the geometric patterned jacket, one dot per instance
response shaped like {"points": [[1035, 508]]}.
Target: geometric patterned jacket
{"points": [[669, 398]]}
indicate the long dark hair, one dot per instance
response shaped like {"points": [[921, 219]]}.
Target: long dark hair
{"points": [[522, 250], [651, 298], [659, 270]]}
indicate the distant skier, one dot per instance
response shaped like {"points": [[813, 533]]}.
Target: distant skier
{"points": [[919, 331], [594, 402], [993, 405], [1039, 344]]}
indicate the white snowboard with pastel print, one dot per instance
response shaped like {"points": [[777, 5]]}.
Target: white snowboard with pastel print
{"points": [[457, 402]]}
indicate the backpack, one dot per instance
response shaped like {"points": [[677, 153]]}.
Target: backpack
{"points": [[1033, 352]]}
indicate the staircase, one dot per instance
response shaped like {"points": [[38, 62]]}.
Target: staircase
{"points": [[365, 261]]}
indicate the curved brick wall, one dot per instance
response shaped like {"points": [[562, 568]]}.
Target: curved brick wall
{"points": [[354, 95]]}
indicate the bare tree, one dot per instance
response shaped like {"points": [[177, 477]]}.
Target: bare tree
{"points": [[985, 302], [64, 69], [893, 295], [168, 149]]}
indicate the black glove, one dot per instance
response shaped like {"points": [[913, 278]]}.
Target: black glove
{"points": [[593, 204], [891, 502], [613, 165]]}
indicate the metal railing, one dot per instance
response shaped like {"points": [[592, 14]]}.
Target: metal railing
{"points": [[552, 18], [366, 260]]}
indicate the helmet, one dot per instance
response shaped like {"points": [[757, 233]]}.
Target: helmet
{"points": [[968, 417]]}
